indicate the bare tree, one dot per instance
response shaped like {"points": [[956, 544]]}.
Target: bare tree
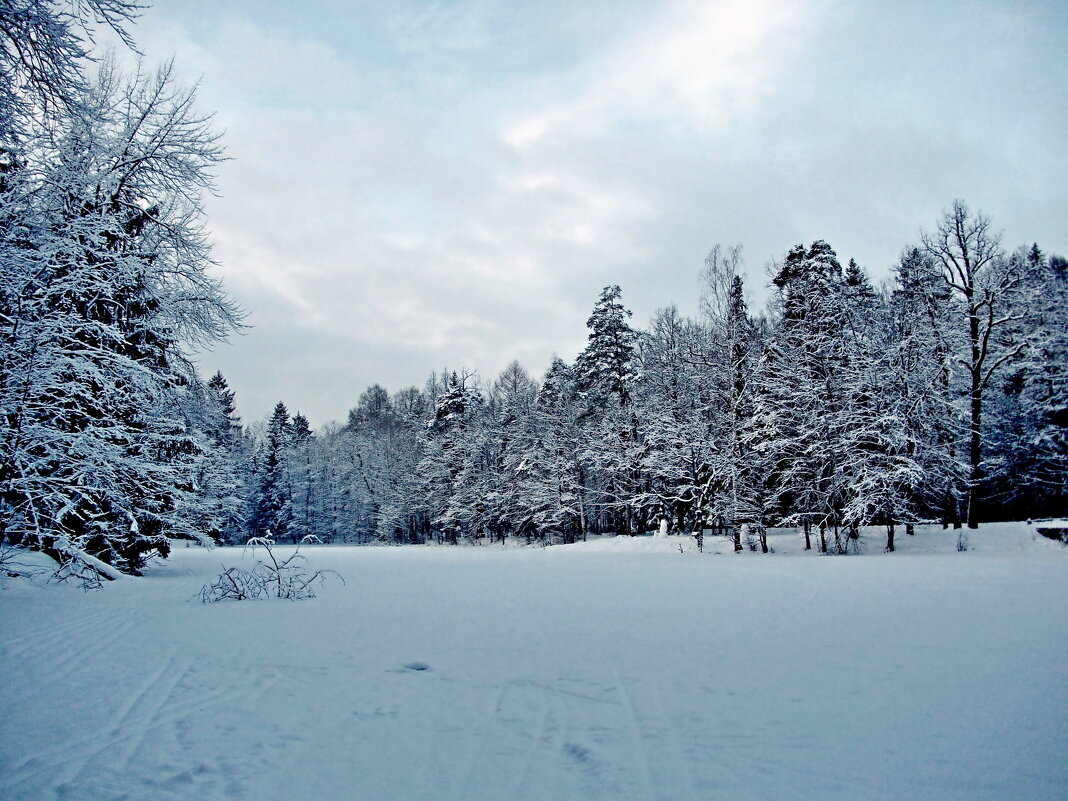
{"points": [[44, 47], [987, 287]]}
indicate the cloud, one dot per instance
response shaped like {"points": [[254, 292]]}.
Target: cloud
{"points": [[423, 184], [698, 61]]}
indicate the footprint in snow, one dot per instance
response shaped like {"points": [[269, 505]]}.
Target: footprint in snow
{"points": [[416, 666], [577, 752]]}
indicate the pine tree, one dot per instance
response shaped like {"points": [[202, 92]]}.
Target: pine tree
{"points": [[880, 474], [548, 498], [604, 373], [799, 410], [302, 455], [273, 512], [223, 474], [1027, 417], [451, 460], [604, 368]]}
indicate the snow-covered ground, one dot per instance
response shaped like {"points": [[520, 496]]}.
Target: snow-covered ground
{"points": [[617, 669]]}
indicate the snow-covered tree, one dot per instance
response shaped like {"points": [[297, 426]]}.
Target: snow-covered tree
{"points": [[106, 285], [452, 461], [798, 413], [924, 371], [729, 364], [679, 451], [604, 368], [1027, 418], [45, 46], [987, 292], [272, 513], [879, 473], [611, 450], [223, 477], [548, 494], [400, 518]]}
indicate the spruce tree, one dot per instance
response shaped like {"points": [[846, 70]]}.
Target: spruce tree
{"points": [[548, 497], [604, 368], [273, 512], [800, 408], [224, 472]]}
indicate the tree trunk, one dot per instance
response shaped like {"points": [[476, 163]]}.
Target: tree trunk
{"points": [[890, 529], [975, 438], [808, 536], [975, 453]]}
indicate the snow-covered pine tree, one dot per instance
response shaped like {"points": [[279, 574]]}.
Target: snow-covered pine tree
{"points": [[604, 374], [303, 457], [923, 368], [799, 411], [1027, 418], [272, 512], [604, 369], [223, 474], [879, 474], [451, 460], [548, 497], [224, 422]]}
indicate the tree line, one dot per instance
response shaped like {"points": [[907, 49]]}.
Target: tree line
{"points": [[941, 395]]}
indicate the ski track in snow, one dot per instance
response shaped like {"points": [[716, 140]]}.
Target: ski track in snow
{"points": [[613, 671]]}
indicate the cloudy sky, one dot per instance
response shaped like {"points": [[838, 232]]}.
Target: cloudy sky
{"points": [[417, 185]]}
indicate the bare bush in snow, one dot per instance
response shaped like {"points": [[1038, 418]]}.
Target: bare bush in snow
{"points": [[272, 577]]}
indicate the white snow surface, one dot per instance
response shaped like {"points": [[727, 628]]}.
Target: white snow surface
{"points": [[616, 669]]}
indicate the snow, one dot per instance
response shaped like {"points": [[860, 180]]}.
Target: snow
{"points": [[613, 669]]}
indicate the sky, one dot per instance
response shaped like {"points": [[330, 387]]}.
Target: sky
{"points": [[415, 186]]}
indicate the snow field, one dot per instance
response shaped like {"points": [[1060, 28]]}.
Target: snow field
{"points": [[616, 669]]}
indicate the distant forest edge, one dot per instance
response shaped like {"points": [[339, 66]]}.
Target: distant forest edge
{"points": [[943, 394]]}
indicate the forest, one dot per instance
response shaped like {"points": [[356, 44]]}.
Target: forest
{"points": [[941, 394]]}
